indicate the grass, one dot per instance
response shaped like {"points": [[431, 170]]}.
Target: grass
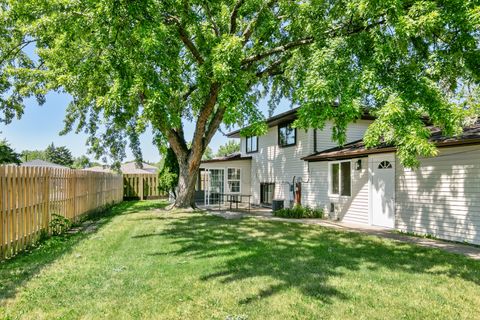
{"points": [[144, 262]]}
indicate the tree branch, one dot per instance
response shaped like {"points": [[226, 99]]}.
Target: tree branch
{"points": [[271, 70], [178, 144], [215, 27], [185, 38], [16, 49], [214, 125], [233, 16], [189, 92], [249, 30], [282, 48], [198, 144]]}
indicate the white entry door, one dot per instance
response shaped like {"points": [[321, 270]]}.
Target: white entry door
{"points": [[382, 190]]}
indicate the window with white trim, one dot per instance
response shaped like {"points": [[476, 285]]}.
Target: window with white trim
{"points": [[233, 180], [341, 178]]}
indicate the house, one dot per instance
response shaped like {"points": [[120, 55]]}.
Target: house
{"points": [[42, 163], [127, 168], [138, 183], [352, 183]]}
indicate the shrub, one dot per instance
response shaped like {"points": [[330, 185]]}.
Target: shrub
{"points": [[298, 212], [59, 224]]}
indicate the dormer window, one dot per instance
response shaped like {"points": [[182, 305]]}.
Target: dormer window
{"points": [[252, 144], [287, 135]]}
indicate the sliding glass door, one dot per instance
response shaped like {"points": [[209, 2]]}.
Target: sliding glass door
{"points": [[215, 186], [267, 193]]}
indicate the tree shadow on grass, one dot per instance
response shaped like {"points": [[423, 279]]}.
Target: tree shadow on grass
{"points": [[300, 256], [17, 271]]}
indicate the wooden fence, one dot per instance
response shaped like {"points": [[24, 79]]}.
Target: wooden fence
{"points": [[141, 186], [30, 195]]}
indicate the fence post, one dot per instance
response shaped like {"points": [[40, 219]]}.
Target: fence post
{"points": [[46, 213], [141, 186]]}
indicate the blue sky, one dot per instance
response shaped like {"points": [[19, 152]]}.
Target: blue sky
{"points": [[40, 126]]}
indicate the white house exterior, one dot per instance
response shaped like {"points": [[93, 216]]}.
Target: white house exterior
{"points": [[355, 184]]}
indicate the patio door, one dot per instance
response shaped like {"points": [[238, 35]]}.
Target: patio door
{"points": [[267, 192], [215, 186]]}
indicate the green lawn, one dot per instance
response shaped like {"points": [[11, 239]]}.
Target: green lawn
{"points": [[144, 262]]}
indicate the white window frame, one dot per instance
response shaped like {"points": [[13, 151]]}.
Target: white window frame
{"points": [[340, 182], [239, 181]]}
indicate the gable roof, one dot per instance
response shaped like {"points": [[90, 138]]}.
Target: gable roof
{"points": [[42, 163], [127, 168], [131, 168], [470, 135], [285, 117], [231, 157]]}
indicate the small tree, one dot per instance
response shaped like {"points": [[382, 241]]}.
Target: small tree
{"points": [[168, 175], [59, 155], [28, 155], [82, 162], [228, 148], [7, 154], [208, 154]]}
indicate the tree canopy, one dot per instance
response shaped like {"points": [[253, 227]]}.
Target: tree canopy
{"points": [[228, 148], [59, 155], [7, 154], [81, 162], [157, 63], [28, 155]]}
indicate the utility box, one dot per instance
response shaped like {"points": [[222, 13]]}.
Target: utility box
{"points": [[277, 204]]}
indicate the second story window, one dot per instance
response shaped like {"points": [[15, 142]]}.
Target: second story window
{"points": [[287, 136], [252, 144]]}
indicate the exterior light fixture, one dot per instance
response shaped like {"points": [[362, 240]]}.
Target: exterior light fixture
{"points": [[358, 164]]}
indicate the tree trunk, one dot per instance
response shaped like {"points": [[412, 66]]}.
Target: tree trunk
{"points": [[187, 178]]}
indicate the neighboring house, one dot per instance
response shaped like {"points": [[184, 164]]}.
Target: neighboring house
{"points": [[138, 183], [42, 163], [355, 184], [127, 168]]}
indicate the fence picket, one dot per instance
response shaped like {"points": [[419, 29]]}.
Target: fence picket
{"points": [[141, 186], [29, 196]]}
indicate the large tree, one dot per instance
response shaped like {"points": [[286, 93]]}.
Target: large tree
{"points": [[159, 63]]}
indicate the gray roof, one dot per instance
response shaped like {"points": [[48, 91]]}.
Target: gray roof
{"points": [[287, 116], [42, 163], [127, 168], [230, 157], [470, 136]]}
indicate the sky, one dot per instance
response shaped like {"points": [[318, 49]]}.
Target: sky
{"points": [[40, 125]]}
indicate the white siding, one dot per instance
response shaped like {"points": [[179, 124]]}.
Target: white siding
{"points": [[273, 164], [245, 171], [350, 209], [355, 131], [442, 196]]}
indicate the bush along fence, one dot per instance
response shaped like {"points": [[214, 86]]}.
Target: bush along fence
{"points": [[32, 199], [141, 186]]}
